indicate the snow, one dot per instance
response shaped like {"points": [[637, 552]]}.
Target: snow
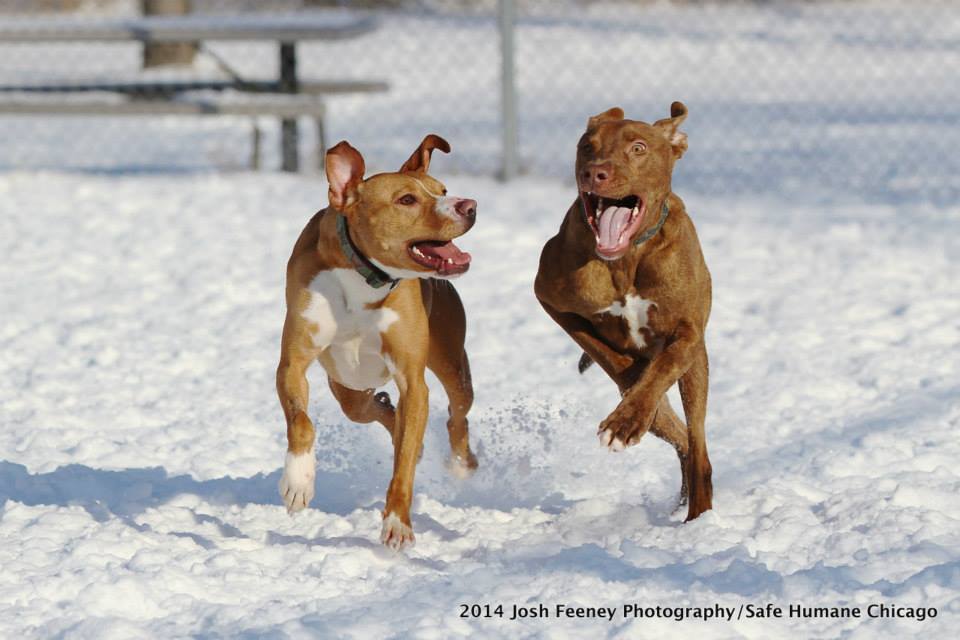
{"points": [[142, 444]]}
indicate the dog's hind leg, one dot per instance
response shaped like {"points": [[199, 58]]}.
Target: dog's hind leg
{"points": [[668, 427], [693, 392], [365, 406], [455, 378], [448, 360]]}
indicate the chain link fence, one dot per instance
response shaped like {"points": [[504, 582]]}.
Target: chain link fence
{"points": [[790, 98]]}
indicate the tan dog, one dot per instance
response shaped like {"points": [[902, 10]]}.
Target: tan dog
{"points": [[625, 277], [366, 297]]}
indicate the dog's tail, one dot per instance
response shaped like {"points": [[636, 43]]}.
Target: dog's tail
{"points": [[585, 362]]}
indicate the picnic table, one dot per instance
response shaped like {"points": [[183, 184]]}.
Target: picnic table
{"points": [[286, 29]]}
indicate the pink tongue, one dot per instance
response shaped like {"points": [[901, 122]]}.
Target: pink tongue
{"points": [[613, 221], [445, 252]]}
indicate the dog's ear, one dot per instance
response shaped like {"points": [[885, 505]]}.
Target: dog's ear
{"points": [[420, 160], [345, 169], [610, 115], [670, 127]]}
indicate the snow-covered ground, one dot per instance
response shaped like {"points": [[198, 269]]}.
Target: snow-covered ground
{"points": [[141, 442]]}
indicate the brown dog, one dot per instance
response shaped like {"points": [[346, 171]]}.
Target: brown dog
{"points": [[366, 296], [625, 277]]}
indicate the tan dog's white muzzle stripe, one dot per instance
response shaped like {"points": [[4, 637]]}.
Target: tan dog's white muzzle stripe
{"points": [[445, 205]]}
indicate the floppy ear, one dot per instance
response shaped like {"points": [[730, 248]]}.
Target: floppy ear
{"points": [[345, 169], [670, 127], [610, 115], [420, 160]]}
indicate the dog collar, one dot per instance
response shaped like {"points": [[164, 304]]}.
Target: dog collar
{"points": [[374, 276], [652, 231]]}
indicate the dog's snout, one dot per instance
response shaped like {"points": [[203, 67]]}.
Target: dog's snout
{"points": [[595, 175], [467, 208]]}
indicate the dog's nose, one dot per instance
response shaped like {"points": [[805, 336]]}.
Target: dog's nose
{"points": [[467, 208], [595, 175]]}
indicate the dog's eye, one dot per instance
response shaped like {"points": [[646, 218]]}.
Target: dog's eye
{"points": [[407, 200], [639, 147]]}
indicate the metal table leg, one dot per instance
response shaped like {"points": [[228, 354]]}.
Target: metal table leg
{"points": [[288, 126]]}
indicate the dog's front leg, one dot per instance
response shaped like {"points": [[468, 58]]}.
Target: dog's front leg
{"points": [[299, 469], [634, 415], [615, 364], [411, 421]]}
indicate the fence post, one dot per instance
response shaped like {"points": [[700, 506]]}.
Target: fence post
{"points": [[289, 131], [508, 90]]}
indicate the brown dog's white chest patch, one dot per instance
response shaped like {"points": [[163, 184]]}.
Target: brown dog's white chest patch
{"points": [[636, 312], [349, 327]]}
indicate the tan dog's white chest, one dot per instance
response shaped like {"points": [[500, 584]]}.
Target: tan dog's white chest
{"points": [[347, 330], [635, 311]]}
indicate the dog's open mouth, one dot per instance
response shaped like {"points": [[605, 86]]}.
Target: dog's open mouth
{"points": [[441, 256], [614, 222]]}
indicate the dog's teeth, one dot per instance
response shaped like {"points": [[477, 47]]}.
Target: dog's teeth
{"points": [[449, 260]]}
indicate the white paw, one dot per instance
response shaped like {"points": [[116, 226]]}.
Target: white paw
{"points": [[395, 534], [460, 468], [297, 483]]}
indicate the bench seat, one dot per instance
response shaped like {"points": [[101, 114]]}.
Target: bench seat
{"points": [[281, 106], [176, 99], [173, 87], [275, 105]]}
